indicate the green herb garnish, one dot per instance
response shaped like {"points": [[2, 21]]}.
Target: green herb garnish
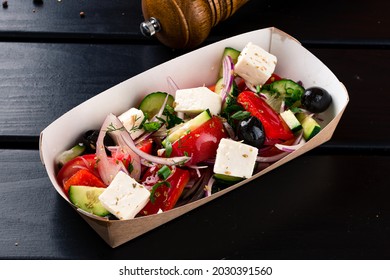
{"points": [[112, 128], [155, 187], [240, 115], [171, 118], [151, 126]]}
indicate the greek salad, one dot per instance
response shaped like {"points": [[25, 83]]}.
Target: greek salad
{"points": [[180, 146]]}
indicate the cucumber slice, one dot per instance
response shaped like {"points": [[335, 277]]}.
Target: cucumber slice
{"points": [[289, 90], [309, 125], [226, 179], [273, 100], [151, 104], [70, 154], [87, 198], [233, 53], [187, 127], [291, 120]]}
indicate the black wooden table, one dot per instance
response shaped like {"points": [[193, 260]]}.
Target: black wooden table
{"points": [[332, 203]]}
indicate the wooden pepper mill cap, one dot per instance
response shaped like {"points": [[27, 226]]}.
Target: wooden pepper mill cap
{"points": [[185, 24]]}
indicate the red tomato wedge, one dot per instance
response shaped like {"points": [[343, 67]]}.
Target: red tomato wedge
{"points": [[212, 87], [146, 146], [273, 78], [201, 143], [83, 177], [276, 130], [71, 167], [165, 194]]}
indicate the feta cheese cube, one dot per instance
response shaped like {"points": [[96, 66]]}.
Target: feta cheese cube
{"points": [[235, 158], [196, 100], [131, 120], [124, 197], [255, 65]]}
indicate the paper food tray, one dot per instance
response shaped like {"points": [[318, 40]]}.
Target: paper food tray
{"points": [[194, 69]]}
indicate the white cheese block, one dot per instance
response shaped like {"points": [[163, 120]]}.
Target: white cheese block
{"points": [[196, 100], [235, 158], [124, 197], [131, 120], [255, 65]]}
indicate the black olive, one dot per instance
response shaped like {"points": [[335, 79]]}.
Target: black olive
{"points": [[316, 99], [251, 131], [90, 138]]}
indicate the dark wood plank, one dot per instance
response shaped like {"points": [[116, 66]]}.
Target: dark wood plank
{"points": [[61, 19], [311, 208], [364, 123], [40, 82], [325, 22]]}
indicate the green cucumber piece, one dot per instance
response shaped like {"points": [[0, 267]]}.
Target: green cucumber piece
{"points": [[87, 198], [289, 90], [291, 120], [151, 104], [309, 125], [273, 101], [187, 127], [227, 179], [70, 154], [233, 53]]}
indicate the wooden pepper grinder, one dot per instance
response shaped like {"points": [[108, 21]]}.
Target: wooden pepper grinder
{"points": [[185, 24]]}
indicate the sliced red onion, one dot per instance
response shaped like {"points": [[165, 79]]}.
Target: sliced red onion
{"points": [[286, 149], [147, 163], [80, 167], [289, 148], [150, 181], [160, 112], [282, 107], [299, 142], [107, 168], [173, 88], [197, 168], [272, 158], [135, 159], [262, 95], [299, 137], [250, 86], [127, 140], [198, 190], [192, 188], [209, 186], [227, 76]]}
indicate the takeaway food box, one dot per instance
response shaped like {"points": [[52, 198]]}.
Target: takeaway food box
{"points": [[294, 62]]}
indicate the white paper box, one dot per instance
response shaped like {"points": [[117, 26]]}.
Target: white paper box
{"points": [[194, 69]]}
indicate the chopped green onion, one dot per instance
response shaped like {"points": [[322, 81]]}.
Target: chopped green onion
{"points": [[168, 147], [164, 172], [155, 187]]}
